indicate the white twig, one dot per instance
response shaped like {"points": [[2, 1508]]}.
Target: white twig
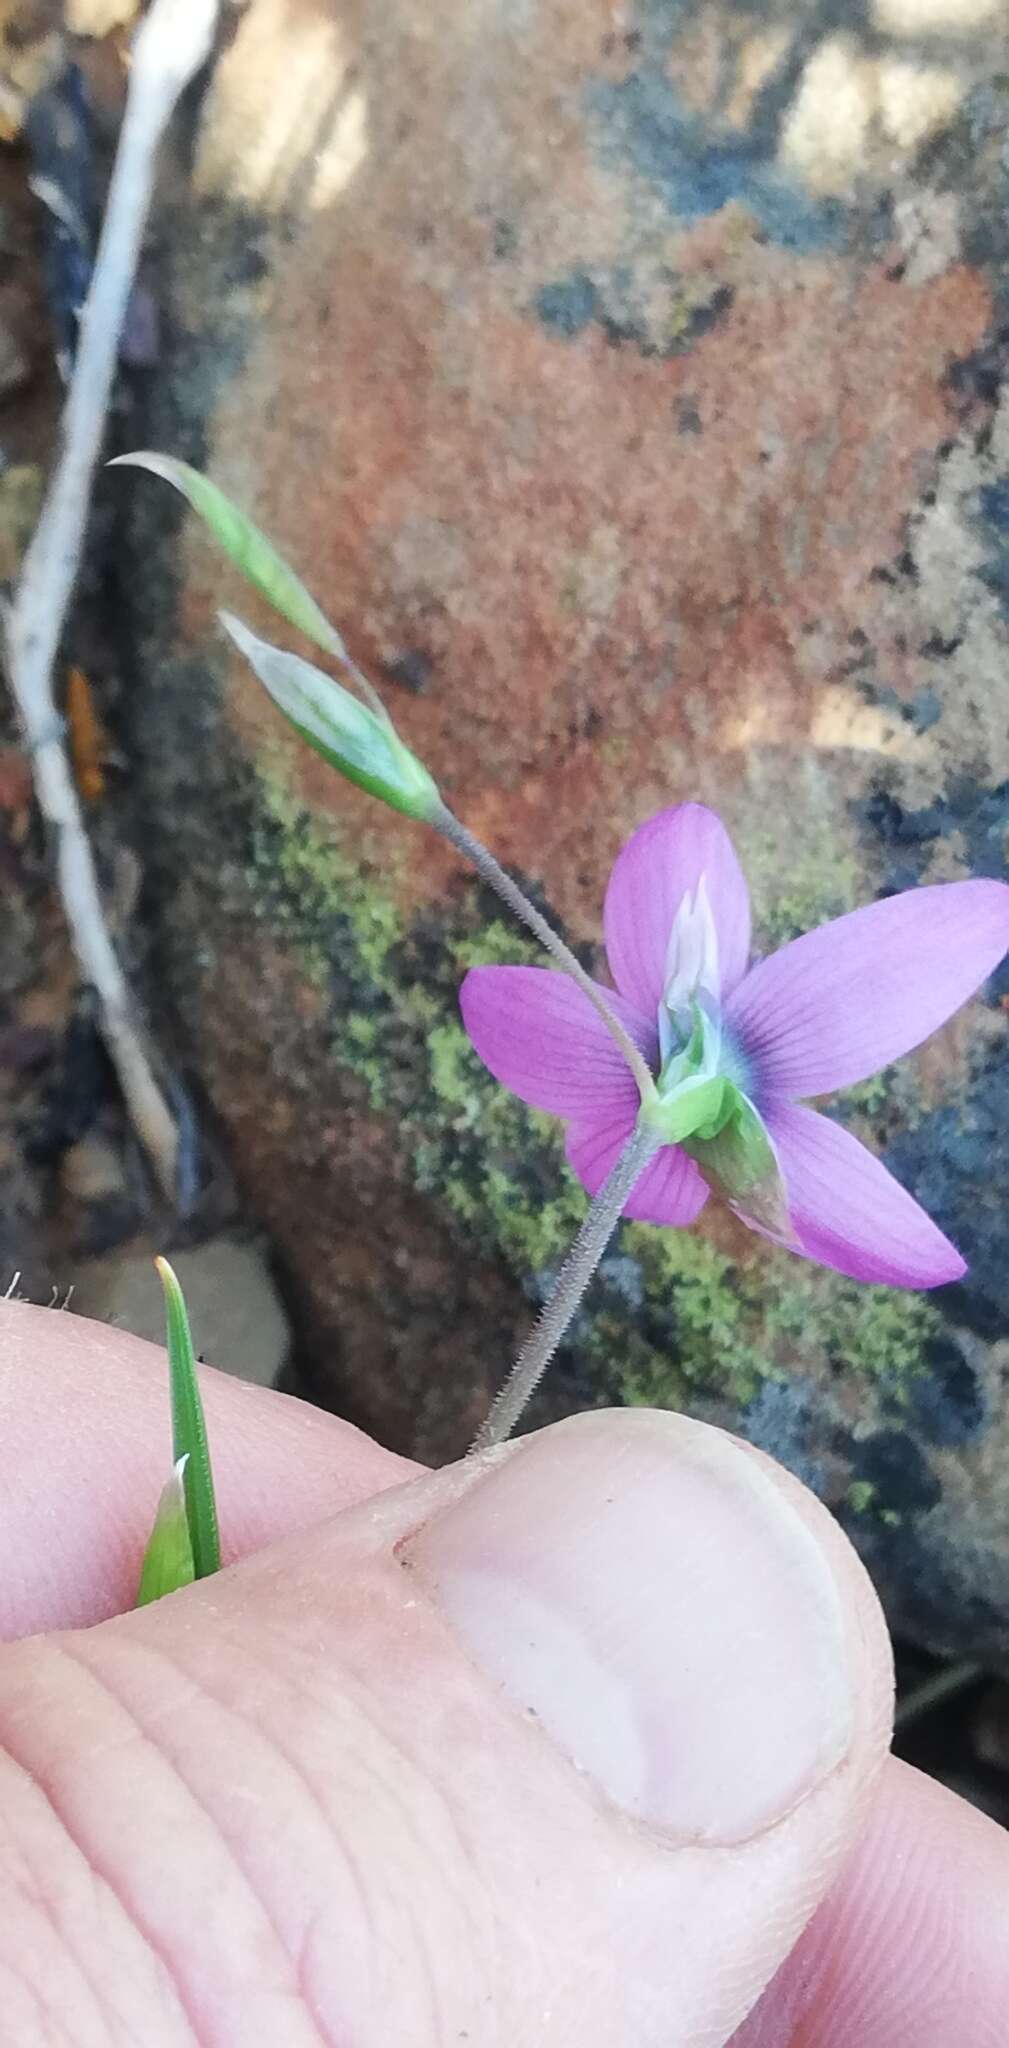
{"points": [[172, 43]]}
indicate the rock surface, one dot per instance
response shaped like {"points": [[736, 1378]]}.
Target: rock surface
{"points": [[628, 383], [235, 1313]]}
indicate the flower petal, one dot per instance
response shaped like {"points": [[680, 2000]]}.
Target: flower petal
{"points": [[841, 1002], [848, 1211], [671, 1190], [541, 1038], [662, 861]]}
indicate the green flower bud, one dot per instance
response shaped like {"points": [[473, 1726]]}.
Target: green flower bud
{"points": [[363, 745]]}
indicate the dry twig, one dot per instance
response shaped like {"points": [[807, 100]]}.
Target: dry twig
{"points": [[172, 43]]}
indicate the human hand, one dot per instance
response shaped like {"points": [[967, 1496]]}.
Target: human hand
{"points": [[329, 1796]]}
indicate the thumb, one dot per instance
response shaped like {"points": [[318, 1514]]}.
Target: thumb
{"points": [[563, 1744]]}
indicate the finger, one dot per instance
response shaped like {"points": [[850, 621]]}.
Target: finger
{"points": [[910, 1949], [561, 1745], [86, 1435]]}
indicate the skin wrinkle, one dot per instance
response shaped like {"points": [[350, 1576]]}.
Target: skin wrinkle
{"points": [[912, 1931], [199, 1691], [368, 1917], [37, 2039], [300, 1952], [99, 1877], [35, 1899], [402, 1769]]}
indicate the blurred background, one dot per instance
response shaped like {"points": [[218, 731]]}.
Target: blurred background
{"points": [[627, 382]]}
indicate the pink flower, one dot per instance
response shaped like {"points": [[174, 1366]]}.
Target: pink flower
{"points": [[826, 1011]]}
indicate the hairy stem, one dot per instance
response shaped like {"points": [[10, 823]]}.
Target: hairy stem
{"points": [[573, 1279], [491, 872]]}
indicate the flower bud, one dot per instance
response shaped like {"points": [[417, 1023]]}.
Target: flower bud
{"points": [[364, 746]]}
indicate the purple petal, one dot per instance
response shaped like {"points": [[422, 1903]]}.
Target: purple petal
{"points": [[654, 871], [542, 1039], [670, 1190], [848, 1211], [841, 1002]]}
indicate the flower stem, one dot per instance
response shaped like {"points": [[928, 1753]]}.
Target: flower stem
{"points": [[573, 1279], [491, 872]]}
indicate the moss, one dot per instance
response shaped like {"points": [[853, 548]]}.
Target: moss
{"points": [[496, 944], [694, 1291], [722, 1326], [868, 1097], [861, 1496], [315, 893], [517, 1193], [497, 1167], [820, 882]]}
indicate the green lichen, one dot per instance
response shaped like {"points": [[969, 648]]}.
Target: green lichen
{"points": [[868, 1097], [710, 1338], [311, 887], [497, 1167], [496, 944], [879, 1333], [723, 1326], [526, 1213], [819, 881], [861, 1496]]}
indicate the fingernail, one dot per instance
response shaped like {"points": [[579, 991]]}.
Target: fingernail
{"points": [[641, 1586]]}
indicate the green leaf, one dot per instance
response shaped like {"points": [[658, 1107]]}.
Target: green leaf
{"points": [[249, 549], [168, 1559], [366, 749], [189, 1430]]}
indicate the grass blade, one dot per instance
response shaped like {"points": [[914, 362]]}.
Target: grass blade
{"points": [[189, 1430]]}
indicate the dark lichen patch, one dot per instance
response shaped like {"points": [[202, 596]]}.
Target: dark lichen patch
{"points": [[412, 670], [653, 309], [957, 1161], [902, 1481], [993, 518], [695, 166], [975, 816], [921, 712], [785, 1419], [947, 1401], [568, 305]]}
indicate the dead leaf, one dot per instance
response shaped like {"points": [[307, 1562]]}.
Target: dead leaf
{"points": [[89, 745]]}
